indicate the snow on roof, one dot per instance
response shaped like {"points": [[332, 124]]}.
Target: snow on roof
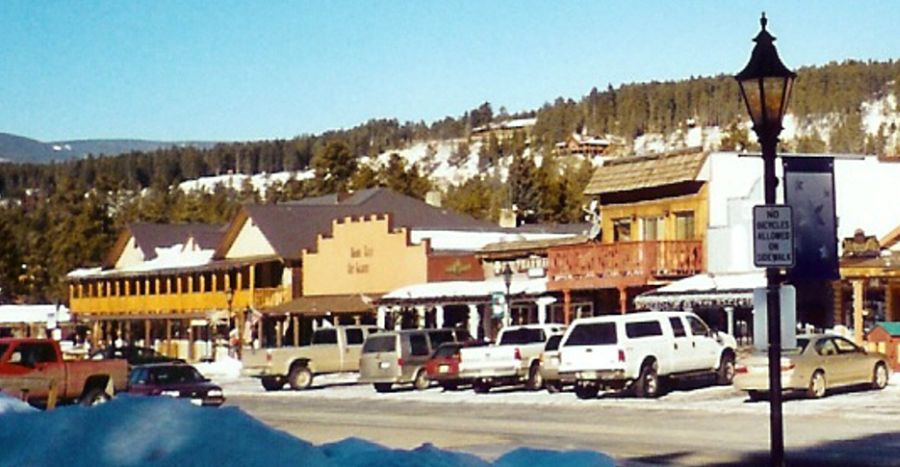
{"points": [[14, 314], [173, 257], [166, 431], [464, 289], [457, 240]]}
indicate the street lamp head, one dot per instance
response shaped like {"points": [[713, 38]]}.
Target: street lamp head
{"points": [[507, 275], [765, 85]]}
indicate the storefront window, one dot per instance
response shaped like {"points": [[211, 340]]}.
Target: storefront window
{"points": [[684, 225]]}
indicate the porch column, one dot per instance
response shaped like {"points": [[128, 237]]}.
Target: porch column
{"points": [[729, 318], [380, 317], [567, 306], [420, 317], [168, 337], [439, 316], [473, 320], [190, 335], [279, 330], [398, 317], [147, 342], [837, 288], [623, 300], [858, 291], [252, 285], [890, 313], [295, 325], [542, 303]]}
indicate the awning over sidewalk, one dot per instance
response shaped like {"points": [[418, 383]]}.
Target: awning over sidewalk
{"points": [[704, 290], [32, 314], [320, 305], [462, 291]]}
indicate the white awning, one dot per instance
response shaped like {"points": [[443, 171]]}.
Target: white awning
{"points": [[17, 314], [460, 291], [704, 290]]}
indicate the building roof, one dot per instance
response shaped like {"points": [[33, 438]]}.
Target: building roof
{"points": [[292, 227], [526, 246], [892, 328], [320, 305], [149, 236], [635, 173]]}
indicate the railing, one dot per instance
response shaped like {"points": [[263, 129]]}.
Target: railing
{"points": [[175, 302], [624, 263]]}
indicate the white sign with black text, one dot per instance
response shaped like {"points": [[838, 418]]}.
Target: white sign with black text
{"points": [[773, 236]]}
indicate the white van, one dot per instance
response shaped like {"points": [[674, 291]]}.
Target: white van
{"points": [[633, 351]]}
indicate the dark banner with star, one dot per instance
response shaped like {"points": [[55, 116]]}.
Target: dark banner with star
{"points": [[809, 190]]}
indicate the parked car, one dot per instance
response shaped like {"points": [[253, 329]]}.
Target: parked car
{"points": [[550, 364], [445, 364], [515, 359], [133, 354], [635, 351], [399, 357], [818, 363], [331, 350], [174, 379], [29, 366]]}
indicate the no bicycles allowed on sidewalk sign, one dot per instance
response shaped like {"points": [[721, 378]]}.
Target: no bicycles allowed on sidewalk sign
{"points": [[773, 236]]}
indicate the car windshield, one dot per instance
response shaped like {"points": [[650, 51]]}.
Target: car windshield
{"points": [[553, 342], [522, 336], [593, 334], [175, 374], [376, 344], [447, 350]]}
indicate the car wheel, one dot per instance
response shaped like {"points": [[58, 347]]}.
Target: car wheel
{"points": [[725, 375], [450, 385], [647, 384], [272, 383], [880, 376], [756, 396], [383, 387], [481, 386], [95, 396], [421, 381], [817, 386], [586, 391], [553, 386], [300, 377], [535, 380]]}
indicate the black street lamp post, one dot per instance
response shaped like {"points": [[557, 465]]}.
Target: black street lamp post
{"points": [[766, 87]]}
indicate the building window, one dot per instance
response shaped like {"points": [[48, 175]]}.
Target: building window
{"points": [[684, 225], [622, 230], [652, 228]]}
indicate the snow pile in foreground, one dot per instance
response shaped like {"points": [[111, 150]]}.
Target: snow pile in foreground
{"points": [[12, 405], [149, 431]]}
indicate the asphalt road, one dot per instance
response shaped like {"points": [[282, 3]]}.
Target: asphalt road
{"points": [[632, 432]]}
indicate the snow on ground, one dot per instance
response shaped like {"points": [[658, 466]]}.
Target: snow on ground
{"points": [[881, 405], [260, 181], [10, 405], [160, 431]]}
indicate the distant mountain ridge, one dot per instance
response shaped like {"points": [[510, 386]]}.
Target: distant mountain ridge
{"points": [[15, 148]]}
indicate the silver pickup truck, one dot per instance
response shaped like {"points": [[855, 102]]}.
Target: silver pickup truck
{"points": [[331, 350], [515, 359]]}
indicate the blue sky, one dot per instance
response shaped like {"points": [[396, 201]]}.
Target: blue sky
{"points": [[227, 70]]}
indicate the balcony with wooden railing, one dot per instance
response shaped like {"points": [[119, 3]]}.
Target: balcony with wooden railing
{"points": [[623, 264], [175, 303]]}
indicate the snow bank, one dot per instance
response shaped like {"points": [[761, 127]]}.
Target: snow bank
{"points": [[159, 431], [12, 405]]}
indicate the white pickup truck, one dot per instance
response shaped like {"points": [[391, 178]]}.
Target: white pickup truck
{"points": [[634, 351], [515, 359]]}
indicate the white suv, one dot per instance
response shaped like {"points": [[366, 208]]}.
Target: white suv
{"points": [[636, 350]]}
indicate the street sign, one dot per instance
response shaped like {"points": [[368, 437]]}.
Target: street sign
{"points": [[773, 236]]}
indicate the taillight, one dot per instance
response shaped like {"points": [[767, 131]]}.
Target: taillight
{"points": [[400, 361], [741, 369], [787, 365], [621, 356], [518, 354]]}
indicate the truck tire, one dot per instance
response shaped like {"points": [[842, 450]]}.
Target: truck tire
{"points": [[300, 377], [481, 386], [95, 396], [421, 382], [725, 373], [272, 383], [586, 391], [648, 384], [535, 380], [383, 387]]}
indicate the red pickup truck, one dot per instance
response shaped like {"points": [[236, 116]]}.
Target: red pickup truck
{"points": [[30, 367]]}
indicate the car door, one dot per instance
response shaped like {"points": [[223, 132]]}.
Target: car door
{"points": [[681, 345], [704, 348], [831, 361], [40, 361], [419, 351], [856, 367], [352, 349]]}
